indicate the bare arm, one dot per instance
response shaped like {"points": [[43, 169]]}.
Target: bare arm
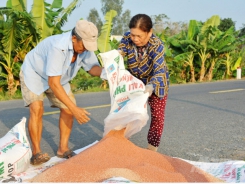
{"points": [[95, 70], [79, 113]]}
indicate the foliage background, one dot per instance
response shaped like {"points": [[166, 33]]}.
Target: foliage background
{"points": [[194, 52]]}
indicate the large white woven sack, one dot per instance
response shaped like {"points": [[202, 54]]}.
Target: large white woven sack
{"points": [[15, 151], [128, 100]]}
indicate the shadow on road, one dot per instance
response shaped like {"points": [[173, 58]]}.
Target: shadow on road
{"points": [[81, 136]]}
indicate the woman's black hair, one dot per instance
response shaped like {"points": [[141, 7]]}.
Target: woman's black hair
{"points": [[74, 33], [141, 21]]}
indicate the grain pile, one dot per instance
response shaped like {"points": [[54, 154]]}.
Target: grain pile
{"points": [[116, 156]]}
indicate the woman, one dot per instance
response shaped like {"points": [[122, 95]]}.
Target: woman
{"points": [[145, 53]]}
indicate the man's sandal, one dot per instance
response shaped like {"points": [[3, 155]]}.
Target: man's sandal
{"points": [[67, 154], [39, 158]]}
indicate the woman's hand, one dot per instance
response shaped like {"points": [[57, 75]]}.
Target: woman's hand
{"points": [[149, 89]]}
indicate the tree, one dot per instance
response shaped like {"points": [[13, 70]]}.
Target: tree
{"points": [[108, 5], [173, 28], [120, 22], [158, 22], [121, 25], [161, 23], [126, 16], [242, 31], [95, 18], [225, 24]]}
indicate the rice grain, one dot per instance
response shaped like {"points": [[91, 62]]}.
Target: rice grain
{"points": [[116, 156]]}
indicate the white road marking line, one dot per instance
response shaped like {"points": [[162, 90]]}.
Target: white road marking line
{"points": [[227, 91]]}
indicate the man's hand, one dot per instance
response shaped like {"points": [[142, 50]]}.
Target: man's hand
{"points": [[95, 70], [81, 115]]}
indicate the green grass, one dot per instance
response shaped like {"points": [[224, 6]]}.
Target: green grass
{"points": [[94, 89], [4, 96]]}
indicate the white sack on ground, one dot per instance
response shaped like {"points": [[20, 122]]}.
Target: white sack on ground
{"points": [[15, 151], [232, 171], [128, 100]]}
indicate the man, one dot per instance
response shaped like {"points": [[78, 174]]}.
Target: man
{"points": [[47, 69]]}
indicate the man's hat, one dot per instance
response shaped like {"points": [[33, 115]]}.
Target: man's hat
{"points": [[89, 33]]}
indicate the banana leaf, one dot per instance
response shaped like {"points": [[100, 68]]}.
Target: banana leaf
{"points": [[192, 29], [40, 16], [104, 38], [214, 21], [64, 13], [237, 64], [19, 5]]}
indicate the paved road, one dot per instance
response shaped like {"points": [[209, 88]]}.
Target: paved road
{"points": [[204, 122]]}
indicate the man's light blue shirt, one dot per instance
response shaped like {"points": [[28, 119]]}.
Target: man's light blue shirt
{"points": [[52, 57]]}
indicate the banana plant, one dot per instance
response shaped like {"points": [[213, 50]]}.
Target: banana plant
{"points": [[223, 44], [104, 38], [167, 50], [203, 55], [213, 21], [104, 41], [63, 15], [227, 62], [15, 28], [202, 37], [49, 18], [18, 5], [232, 61], [238, 59], [187, 60], [185, 48], [237, 64], [20, 31]]}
